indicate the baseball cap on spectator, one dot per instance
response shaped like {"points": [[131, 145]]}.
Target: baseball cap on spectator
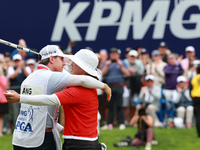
{"points": [[149, 77], [128, 50], [196, 62], [155, 53], [115, 50], [163, 44], [189, 49], [144, 51], [51, 50], [181, 79], [17, 57], [89, 48], [30, 61], [133, 53]]}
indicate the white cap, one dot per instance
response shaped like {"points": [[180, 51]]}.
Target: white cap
{"points": [[30, 61], [190, 49], [51, 50], [196, 62], [155, 52], [86, 60], [133, 53], [149, 77], [181, 79], [17, 57]]}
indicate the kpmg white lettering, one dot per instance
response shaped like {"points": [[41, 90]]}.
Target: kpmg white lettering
{"points": [[130, 16]]}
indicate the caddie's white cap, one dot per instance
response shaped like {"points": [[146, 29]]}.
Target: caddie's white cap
{"points": [[133, 53], [149, 77], [30, 61], [181, 79], [86, 60], [17, 57], [190, 49], [51, 50]]}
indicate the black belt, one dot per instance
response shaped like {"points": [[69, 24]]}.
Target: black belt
{"points": [[116, 84]]}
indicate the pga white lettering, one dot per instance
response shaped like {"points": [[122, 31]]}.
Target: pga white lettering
{"points": [[131, 16], [23, 127]]}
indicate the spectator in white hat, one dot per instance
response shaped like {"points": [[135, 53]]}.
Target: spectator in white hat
{"points": [[150, 96], [156, 68], [134, 83], [189, 52], [181, 97], [31, 65]]}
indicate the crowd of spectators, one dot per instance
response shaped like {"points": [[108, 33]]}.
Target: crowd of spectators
{"points": [[158, 80]]}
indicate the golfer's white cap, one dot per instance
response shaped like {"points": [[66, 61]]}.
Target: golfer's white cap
{"points": [[149, 77], [181, 79], [51, 50], [86, 60], [17, 57]]}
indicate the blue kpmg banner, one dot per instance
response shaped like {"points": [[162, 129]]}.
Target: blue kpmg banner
{"points": [[101, 23]]}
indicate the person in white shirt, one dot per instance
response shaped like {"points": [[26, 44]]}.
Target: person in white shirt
{"points": [[181, 97], [150, 96]]}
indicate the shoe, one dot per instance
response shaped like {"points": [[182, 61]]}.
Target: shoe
{"points": [[4, 130], [105, 127], [1, 135], [148, 146], [188, 125], [9, 131], [126, 123], [122, 127], [154, 142], [110, 126]]}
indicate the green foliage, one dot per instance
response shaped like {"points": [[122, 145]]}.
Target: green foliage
{"points": [[169, 139]]}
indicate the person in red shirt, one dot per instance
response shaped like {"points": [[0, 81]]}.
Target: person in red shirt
{"points": [[80, 104]]}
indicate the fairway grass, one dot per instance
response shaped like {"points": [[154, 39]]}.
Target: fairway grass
{"points": [[169, 139]]}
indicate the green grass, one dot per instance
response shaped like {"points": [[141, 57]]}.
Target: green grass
{"points": [[169, 139]]}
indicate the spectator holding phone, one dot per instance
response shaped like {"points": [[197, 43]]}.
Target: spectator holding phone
{"points": [[113, 73]]}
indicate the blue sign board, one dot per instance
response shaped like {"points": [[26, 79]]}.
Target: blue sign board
{"points": [[101, 23]]}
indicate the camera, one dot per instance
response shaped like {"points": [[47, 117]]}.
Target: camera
{"points": [[113, 60], [142, 112]]}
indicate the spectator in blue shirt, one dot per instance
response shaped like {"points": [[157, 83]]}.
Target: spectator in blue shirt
{"points": [[113, 72]]}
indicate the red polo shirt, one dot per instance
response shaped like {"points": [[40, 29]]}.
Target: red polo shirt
{"points": [[80, 108]]}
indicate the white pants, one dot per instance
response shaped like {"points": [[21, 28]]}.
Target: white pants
{"points": [[151, 110], [183, 112]]}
